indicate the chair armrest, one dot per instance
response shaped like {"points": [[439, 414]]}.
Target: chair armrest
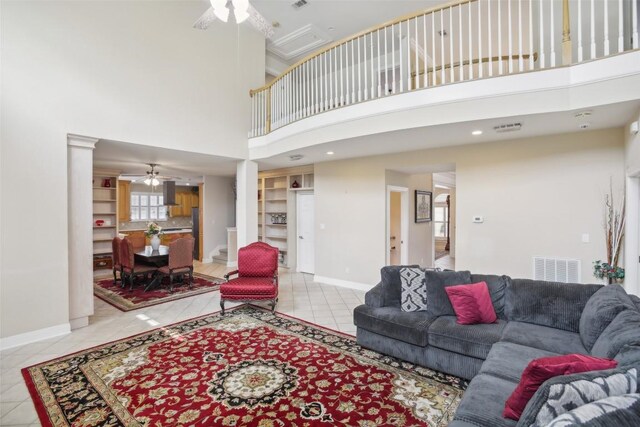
{"points": [[375, 298], [229, 274]]}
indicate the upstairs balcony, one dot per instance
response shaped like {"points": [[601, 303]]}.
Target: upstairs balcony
{"points": [[481, 44]]}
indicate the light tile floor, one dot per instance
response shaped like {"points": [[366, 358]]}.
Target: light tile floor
{"points": [[299, 296]]}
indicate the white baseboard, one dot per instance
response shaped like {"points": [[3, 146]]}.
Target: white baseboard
{"points": [[207, 260], [342, 283], [232, 264], [80, 322], [33, 336]]}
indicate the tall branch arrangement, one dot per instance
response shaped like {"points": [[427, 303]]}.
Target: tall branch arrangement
{"points": [[614, 222]]}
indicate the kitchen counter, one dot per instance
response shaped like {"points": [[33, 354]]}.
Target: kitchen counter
{"points": [[165, 231]]}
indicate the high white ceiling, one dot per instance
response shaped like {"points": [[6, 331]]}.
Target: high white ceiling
{"points": [[133, 158], [305, 30], [603, 117]]}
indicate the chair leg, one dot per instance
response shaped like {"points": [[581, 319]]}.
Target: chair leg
{"points": [[115, 277], [170, 282], [273, 304], [123, 279], [222, 306], [131, 281], [190, 277]]}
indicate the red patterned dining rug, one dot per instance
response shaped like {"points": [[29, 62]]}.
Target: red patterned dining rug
{"points": [[126, 300], [247, 368]]}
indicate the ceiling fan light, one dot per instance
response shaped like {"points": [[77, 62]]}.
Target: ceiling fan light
{"points": [[147, 181], [240, 15], [155, 182], [240, 10], [220, 9]]}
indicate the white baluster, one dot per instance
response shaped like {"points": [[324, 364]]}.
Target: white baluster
{"points": [[366, 74], [401, 88], [359, 71], [500, 36], [325, 60], [372, 66], [470, 46], [480, 68], [552, 39], [606, 27], [452, 71], [379, 66], [593, 30], [408, 54], [386, 66], [425, 79], [489, 40], [336, 100], [393, 57], [634, 24], [530, 34], [304, 89], [620, 27], [443, 75], [580, 51], [341, 77], [353, 74], [510, 38], [417, 59], [520, 59]]}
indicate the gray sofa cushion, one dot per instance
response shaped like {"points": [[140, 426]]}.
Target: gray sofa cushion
{"points": [[497, 289], [563, 393], [392, 322], [438, 303], [600, 310], [387, 292], [623, 330], [508, 360], [558, 305], [629, 356], [470, 340], [544, 338], [483, 402]]}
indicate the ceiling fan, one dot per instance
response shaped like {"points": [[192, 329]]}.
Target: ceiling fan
{"points": [[152, 177], [242, 11]]}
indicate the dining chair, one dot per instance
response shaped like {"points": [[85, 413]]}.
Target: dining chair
{"points": [[257, 276], [115, 254], [129, 267], [180, 261]]}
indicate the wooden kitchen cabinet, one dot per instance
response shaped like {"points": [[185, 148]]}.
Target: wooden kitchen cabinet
{"points": [[185, 201], [124, 201]]}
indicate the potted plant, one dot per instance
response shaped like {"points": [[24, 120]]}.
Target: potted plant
{"points": [[154, 231], [614, 222]]}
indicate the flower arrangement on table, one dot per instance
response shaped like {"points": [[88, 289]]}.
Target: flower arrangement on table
{"points": [[153, 229], [604, 270]]}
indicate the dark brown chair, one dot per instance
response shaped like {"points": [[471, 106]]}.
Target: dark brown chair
{"points": [[180, 261], [129, 267], [115, 254]]}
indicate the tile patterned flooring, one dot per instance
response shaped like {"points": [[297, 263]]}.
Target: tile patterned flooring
{"points": [[325, 305]]}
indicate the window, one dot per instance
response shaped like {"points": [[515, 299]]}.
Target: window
{"points": [[147, 206], [440, 223]]}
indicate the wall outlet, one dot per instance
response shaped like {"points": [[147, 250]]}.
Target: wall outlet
{"points": [[585, 238], [478, 219]]}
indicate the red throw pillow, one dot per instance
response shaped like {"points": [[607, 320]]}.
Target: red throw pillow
{"points": [[540, 370], [472, 303]]}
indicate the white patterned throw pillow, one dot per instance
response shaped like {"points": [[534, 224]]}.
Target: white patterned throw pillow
{"points": [[414, 290], [568, 395], [613, 411]]}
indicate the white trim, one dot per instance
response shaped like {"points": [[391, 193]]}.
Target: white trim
{"points": [[81, 141], [80, 322], [33, 336], [342, 283], [404, 224], [632, 234]]}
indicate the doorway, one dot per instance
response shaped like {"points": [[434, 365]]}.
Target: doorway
{"points": [[397, 225], [305, 208]]}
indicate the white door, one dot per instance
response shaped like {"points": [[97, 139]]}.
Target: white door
{"points": [[305, 232]]}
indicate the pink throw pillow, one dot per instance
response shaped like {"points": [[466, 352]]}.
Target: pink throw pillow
{"points": [[472, 303], [540, 370]]}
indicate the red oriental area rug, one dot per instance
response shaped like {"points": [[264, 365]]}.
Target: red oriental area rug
{"points": [[249, 367], [126, 300]]}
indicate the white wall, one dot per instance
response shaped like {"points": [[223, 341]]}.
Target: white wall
{"points": [[632, 230], [538, 196], [218, 201], [420, 234], [130, 71]]}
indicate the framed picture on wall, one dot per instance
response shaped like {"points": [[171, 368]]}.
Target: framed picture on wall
{"points": [[424, 206]]}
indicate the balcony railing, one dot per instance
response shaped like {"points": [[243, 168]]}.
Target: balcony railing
{"points": [[457, 42]]}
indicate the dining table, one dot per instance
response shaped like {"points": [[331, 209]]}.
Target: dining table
{"points": [[158, 258]]}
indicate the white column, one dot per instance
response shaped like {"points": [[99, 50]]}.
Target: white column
{"points": [[80, 215], [247, 203]]}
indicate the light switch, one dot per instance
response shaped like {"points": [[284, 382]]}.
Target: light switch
{"points": [[478, 219], [585, 238]]}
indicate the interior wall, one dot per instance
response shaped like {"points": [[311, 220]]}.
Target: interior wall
{"points": [[538, 197], [218, 201], [132, 71], [632, 230], [421, 249]]}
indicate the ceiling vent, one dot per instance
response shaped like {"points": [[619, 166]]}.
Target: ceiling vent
{"points": [[509, 127], [299, 4], [295, 157]]}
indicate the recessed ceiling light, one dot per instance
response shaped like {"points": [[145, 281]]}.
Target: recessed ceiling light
{"points": [[476, 132], [331, 28], [331, 153]]}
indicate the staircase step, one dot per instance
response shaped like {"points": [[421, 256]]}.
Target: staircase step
{"points": [[223, 251]]}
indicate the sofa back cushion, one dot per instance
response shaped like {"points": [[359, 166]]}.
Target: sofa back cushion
{"points": [[497, 288], [438, 303], [623, 331], [392, 286], [557, 305], [600, 310]]}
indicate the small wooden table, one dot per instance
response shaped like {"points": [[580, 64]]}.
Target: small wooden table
{"points": [[158, 258]]}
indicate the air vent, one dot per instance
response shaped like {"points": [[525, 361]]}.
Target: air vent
{"points": [[556, 269], [295, 157], [299, 4], [509, 127]]}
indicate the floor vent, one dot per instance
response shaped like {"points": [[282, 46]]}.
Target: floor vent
{"points": [[556, 269]]}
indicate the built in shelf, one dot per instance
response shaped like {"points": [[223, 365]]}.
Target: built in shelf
{"points": [[102, 240], [104, 188], [105, 213], [301, 189], [276, 200], [103, 226], [105, 200], [277, 225], [277, 237]]}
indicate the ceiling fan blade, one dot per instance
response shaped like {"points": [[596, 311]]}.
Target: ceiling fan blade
{"points": [[205, 20], [259, 22]]}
